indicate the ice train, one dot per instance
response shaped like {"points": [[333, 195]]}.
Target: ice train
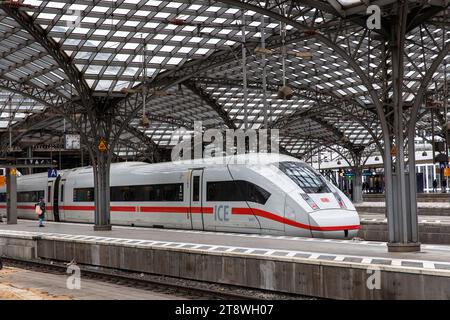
{"points": [[255, 193]]}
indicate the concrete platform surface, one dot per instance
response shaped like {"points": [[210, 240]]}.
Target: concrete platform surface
{"points": [[434, 259]]}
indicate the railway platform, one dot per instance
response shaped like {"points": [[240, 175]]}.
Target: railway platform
{"points": [[425, 208], [336, 269], [432, 229]]}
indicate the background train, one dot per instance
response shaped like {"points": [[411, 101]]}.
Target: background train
{"points": [[256, 193]]}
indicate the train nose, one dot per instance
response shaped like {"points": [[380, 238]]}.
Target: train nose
{"points": [[337, 223]]}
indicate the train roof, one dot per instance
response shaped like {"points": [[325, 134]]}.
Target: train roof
{"points": [[245, 159], [126, 167]]}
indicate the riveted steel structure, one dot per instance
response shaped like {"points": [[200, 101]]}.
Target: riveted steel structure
{"points": [[79, 65]]}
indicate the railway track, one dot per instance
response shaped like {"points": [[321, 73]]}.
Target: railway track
{"points": [[173, 286]]}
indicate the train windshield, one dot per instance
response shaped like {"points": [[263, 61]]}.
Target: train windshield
{"points": [[304, 177]]}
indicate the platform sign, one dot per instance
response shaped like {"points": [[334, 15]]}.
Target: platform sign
{"points": [[52, 173], [446, 172], [102, 145], [367, 173], [348, 173]]}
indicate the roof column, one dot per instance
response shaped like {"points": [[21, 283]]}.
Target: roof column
{"points": [[402, 210]]}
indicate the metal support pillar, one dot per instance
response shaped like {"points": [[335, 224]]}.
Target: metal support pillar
{"points": [[101, 167], [244, 72], [11, 196], [403, 237], [357, 184], [30, 155]]}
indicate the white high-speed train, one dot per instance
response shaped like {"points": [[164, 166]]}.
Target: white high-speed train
{"points": [[256, 193]]}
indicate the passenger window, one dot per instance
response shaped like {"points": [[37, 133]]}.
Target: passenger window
{"points": [[83, 195], [236, 191], [172, 192], [196, 189], [30, 196], [49, 191]]}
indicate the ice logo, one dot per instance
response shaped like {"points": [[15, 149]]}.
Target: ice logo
{"points": [[74, 280], [74, 20], [374, 20]]}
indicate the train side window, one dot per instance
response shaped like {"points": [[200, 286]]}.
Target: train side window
{"points": [[256, 194], [238, 190], [172, 192], [49, 191], [30, 196], [2, 197], [2, 172], [196, 189], [83, 195]]}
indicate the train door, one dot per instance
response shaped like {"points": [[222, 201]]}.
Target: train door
{"points": [[52, 194], [196, 199], [61, 207]]}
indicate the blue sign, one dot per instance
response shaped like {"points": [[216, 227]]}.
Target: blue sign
{"points": [[52, 173], [367, 173]]}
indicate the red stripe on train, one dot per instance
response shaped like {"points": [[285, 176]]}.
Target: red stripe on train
{"points": [[274, 217], [206, 210]]}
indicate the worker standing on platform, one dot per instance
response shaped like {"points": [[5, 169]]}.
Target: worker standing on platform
{"points": [[40, 210]]}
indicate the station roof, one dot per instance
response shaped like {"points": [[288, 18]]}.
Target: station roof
{"points": [[193, 61]]}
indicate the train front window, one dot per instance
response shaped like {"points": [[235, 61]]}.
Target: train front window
{"points": [[306, 178]]}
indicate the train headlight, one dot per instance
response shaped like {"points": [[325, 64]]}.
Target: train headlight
{"points": [[340, 201], [310, 201]]}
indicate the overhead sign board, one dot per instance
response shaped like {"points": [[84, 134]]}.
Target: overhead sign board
{"points": [[52, 173], [35, 161]]}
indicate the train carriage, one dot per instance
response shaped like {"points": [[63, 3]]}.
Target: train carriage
{"points": [[256, 193]]}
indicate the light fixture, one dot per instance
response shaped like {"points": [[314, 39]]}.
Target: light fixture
{"points": [[301, 54], [145, 122], [285, 93], [339, 162], [424, 154], [377, 158], [265, 51]]}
